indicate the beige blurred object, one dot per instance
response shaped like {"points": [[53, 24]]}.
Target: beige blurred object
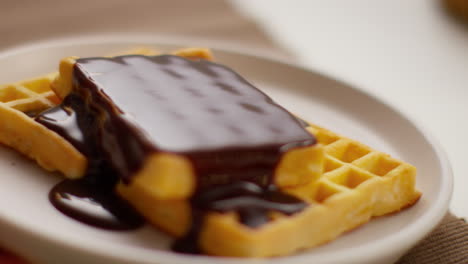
{"points": [[26, 20], [458, 8]]}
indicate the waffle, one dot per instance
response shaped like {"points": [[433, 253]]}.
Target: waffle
{"points": [[358, 183], [19, 131], [171, 176]]}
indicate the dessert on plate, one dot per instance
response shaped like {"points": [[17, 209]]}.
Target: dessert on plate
{"points": [[199, 152]]}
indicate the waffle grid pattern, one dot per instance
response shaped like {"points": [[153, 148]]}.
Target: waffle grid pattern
{"points": [[348, 164], [33, 95]]}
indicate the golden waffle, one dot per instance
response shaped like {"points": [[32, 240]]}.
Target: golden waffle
{"points": [[171, 176], [22, 133], [358, 183], [29, 96]]}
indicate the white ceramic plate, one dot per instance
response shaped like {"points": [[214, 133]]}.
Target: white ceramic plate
{"points": [[31, 226]]}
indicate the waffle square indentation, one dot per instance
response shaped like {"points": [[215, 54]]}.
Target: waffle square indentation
{"points": [[378, 164], [350, 177], [347, 151], [324, 191]]}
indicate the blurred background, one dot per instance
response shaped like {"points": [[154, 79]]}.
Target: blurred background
{"points": [[412, 54]]}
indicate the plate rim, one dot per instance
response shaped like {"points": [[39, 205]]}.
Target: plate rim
{"points": [[431, 217]]}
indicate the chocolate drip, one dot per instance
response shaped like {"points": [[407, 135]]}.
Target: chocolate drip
{"points": [[188, 244], [94, 204], [244, 196], [90, 200], [123, 109], [253, 204]]}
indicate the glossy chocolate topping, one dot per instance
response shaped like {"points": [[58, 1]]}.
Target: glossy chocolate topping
{"points": [[196, 108], [192, 105], [133, 105]]}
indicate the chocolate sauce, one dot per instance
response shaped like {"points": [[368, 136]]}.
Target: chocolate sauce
{"points": [[63, 120], [94, 205], [246, 197], [198, 109], [122, 109], [303, 123], [92, 199], [252, 203]]}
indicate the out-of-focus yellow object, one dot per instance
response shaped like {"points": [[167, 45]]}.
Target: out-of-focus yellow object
{"points": [[21, 132], [358, 183], [458, 8]]}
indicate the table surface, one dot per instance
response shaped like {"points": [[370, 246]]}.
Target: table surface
{"points": [[411, 54]]}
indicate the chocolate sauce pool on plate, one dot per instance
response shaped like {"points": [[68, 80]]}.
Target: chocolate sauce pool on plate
{"points": [[94, 205]]}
